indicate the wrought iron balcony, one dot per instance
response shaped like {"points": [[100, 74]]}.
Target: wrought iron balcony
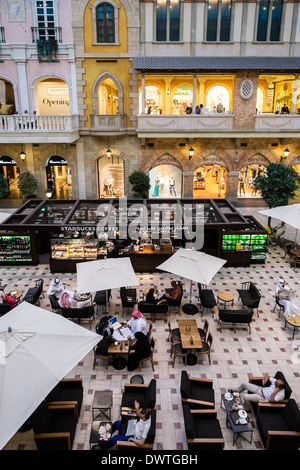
{"points": [[54, 33]]}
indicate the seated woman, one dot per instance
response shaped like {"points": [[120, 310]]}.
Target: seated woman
{"points": [[5, 299], [106, 341], [139, 350], [67, 300], [150, 298], [173, 297], [137, 323], [284, 294]]}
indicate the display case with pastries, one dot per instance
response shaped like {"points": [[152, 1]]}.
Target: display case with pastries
{"points": [[74, 249]]}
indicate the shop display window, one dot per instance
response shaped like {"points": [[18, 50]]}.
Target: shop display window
{"points": [[111, 177], [165, 182], [210, 181], [246, 178], [183, 99], [255, 243]]}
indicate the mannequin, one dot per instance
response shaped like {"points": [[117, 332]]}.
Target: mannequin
{"points": [[172, 186], [105, 186], [111, 185], [156, 187]]}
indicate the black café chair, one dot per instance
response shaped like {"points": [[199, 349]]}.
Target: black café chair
{"points": [[196, 393]]}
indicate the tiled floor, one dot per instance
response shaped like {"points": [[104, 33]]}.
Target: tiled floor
{"points": [[235, 356]]}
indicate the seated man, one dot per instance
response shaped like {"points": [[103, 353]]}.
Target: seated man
{"points": [[173, 297], [137, 323], [278, 232], [140, 433], [273, 393]]}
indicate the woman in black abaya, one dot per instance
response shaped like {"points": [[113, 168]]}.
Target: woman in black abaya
{"points": [[139, 350]]}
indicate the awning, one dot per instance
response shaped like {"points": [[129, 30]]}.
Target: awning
{"points": [[215, 64]]}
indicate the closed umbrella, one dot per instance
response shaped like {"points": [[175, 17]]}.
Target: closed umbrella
{"points": [[290, 214], [107, 273], [37, 349], [194, 265]]}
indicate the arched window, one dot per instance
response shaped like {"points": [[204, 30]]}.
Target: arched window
{"points": [[217, 95], [105, 23]]}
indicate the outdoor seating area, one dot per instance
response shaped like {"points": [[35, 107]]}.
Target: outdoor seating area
{"points": [[184, 372]]}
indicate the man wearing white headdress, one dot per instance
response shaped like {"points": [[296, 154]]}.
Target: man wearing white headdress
{"points": [[284, 294]]}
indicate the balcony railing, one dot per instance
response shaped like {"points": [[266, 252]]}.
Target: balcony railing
{"points": [[277, 122], [108, 122], [190, 122], [33, 124], [46, 33], [2, 34]]}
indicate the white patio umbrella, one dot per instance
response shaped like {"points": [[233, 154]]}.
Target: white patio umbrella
{"points": [[194, 265], [290, 214], [37, 349], [107, 273], [4, 216]]}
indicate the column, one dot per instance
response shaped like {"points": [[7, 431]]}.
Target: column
{"points": [[188, 185], [294, 99], [232, 186], [81, 169], [194, 92], [269, 20], [23, 85], [143, 101]]}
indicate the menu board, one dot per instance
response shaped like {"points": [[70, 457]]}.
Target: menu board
{"points": [[256, 243]]}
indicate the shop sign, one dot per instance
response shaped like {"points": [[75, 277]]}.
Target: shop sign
{"points": [[56, 160], [258, 159], [211, 159], [7, 161], [79, 228]]}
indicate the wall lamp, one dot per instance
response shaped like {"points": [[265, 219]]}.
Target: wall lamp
{"points": [[108, 151], [22, 155], [49, 193], [191, 153], [286, 153]]}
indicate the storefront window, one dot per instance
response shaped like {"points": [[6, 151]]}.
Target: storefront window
{"points": [[108, 97], [165, 181], [210, 181], [59, 178], [10, 171], [183, 99], [52, 97], [217, 99], [111, 177], [245, 183], [297, 168], [154, 101]]}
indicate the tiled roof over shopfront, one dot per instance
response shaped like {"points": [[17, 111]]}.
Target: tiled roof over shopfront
{"points": [[216, 63]]}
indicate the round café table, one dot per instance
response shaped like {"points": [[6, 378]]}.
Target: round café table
{"points": [[226, 297], [293, 321]]}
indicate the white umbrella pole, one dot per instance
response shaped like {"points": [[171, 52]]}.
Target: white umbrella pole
{"points": [[191, 292], [296, 238]]}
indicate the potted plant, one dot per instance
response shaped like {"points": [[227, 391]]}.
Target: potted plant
{"points": [[140, 184], [27, 184], [4, 189]]}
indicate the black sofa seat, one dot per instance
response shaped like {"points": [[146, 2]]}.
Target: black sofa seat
{"points": [[83, 313], [249, 295], [278, 375], [235, 317], [145, 394], [54, 426], [203, 430], [67, 390], [4, 308], [279, 425], [33, 294], [153, 309], [196, 393]]}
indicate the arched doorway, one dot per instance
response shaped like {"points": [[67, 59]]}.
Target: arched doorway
{"points": [[216, 96], [245, 182], [108, 99], [59, 177], [111, 173], [7, 97], [165, 178], [51, 97], [10, 171], [210, 181]]}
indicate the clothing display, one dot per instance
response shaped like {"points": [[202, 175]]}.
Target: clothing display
{"points": [[156, 187], [172, 186]]}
